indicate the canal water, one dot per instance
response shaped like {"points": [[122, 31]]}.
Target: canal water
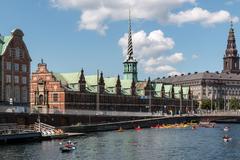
{"points": [[147, 144]]}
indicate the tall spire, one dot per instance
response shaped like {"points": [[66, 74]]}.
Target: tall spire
{"points": [[231, 57], [130, 46], [82, 82], [231, 43], [130, 63]]}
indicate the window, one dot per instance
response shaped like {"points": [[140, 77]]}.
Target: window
{"points": [[24, 80], [17, 54], [17, 94], [24, 68], [8, 66], [21, 54], [8, 78], [16, 79], [12, 52], [24, 94], [55, 97], [16, 67]]}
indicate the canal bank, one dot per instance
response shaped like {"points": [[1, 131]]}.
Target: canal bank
{"points": [[131, 124]]}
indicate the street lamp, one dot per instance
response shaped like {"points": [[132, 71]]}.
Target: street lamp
{"points": [[192, 102], [38, 119], [150, 101], [212, 102], [180, 98]]}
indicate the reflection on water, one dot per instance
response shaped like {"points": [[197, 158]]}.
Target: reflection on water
{"points": [[154, 144]]}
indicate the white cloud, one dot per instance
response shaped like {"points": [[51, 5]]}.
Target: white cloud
{"points": [[203, 16], [161, 68], [231, 2], [195, 56], [95, 14], [175, 58], [151, 51], [147, 45], [175, 73]]}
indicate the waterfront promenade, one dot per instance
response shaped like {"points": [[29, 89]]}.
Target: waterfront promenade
{"points": [[94, 121]]}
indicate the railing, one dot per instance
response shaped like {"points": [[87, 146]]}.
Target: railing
{"points": [[14, 109], [219, 113], [25, 109], [43, 127], [101, 112]]}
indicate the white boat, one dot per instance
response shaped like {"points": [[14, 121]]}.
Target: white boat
{"points": [[226, 129], [227, 139]]}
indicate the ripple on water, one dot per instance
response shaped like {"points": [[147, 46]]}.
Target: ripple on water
{"points": [[154, 144]]}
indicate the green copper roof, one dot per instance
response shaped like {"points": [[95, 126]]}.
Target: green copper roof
{"points": [[140, 92], [177, 90], [70, 81], [3, 46], [126, 83], [158, 89], [110, 82], [168, 90], [185, 92]]}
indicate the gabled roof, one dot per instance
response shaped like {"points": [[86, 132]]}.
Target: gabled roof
{"points": [[5, 40], [201, 76], [70, 81], [126, 83]]}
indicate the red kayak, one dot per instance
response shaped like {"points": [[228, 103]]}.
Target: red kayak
{"points": [[138, 128]]}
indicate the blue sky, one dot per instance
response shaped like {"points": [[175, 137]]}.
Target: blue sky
{"points": [[169, 37]]}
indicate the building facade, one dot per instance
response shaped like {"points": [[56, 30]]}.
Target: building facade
{"points": [[64, 92], [217, 86], [15, 69]]}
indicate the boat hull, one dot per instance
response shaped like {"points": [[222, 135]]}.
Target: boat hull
{"points": [[21, 137]]}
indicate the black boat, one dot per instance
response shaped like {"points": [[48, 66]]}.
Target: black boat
{"points": [[16, 135]]}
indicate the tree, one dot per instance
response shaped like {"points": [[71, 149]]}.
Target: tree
{"points": [[206, 104], [221, 103], [234, 104]]}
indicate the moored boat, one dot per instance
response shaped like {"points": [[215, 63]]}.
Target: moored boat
{"points": [[67, 147], [206, 124], [15, 136], [138, 128], [120, 129], [226, 128], [226, 138]]}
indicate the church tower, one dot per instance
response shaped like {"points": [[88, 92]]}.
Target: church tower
{"points": [[130, 64], [231, 57]]}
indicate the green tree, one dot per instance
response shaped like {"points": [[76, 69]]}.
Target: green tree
{"points": [[234, 103], [206, 104], [221, 103]]}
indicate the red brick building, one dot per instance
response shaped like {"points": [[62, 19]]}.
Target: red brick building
{"points": [[64, 92], [15, 69], [46, 90]]}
